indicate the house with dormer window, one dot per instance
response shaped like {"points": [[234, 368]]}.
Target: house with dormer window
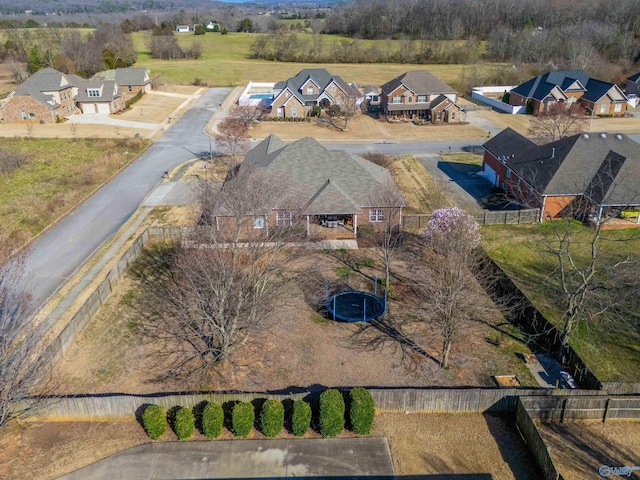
{"points": [[100, 96], [417, 95], [297, 96]]}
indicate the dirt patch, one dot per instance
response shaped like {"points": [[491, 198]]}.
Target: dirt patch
{"points": [[151, 108], [363, 127], [181, 89], [296, 347], [579, 449], [423, 444], [420, 444]]}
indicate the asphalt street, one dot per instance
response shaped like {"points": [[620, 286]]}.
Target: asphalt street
{"points": [[59, 252]]}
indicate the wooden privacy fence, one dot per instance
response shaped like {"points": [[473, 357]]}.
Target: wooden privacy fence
{"points": [[536, 444], [387, 400], [500, 217], [56, 349]]}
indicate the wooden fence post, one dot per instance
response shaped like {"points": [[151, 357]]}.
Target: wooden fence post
{"points": [[606, 411], [564, 407]]}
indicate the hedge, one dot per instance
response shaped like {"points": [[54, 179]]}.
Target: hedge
{"points": [[272, 417], [184, 423], [212, 420], [154, 420], [362, 411], [300, 418], [332, 411], [242, 418]]}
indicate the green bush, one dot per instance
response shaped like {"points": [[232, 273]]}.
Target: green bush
{"points": [[361, 411], [184, 423], [242, 418], [212, 420], [154, 420], [272, 417], [300, 418], [331, 413]]}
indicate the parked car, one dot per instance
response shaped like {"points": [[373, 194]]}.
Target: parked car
{"points": [[568, 381]]}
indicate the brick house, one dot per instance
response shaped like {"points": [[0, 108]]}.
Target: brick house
{"points": [[49, 95], [99, 96], [584, 175], [418, 95], [569, 87], [297, 96], [328, 193], [44, 97], [131, 80]]}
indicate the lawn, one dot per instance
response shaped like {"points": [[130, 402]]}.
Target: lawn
{"points": [[611, 350], [225, 62], [55, 176]]}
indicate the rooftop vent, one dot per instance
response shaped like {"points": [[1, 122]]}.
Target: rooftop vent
{"points": [[603, 135], [585, 136], [619, 137]]}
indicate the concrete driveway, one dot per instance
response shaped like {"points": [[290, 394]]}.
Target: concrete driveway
{"points": [[460, 181], [318, 458]]}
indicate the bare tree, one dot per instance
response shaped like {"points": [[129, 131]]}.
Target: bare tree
{"points": [[445, 280], [21, 366], [18, 71], [388, 237], [558, 121], [248, 115], [204, 299], [232, 138]]}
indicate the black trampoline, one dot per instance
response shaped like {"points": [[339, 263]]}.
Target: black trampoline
{"points": [[355, 306]]}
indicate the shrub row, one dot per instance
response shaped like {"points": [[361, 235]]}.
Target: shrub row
{"points": [[285, 119], [211, 417]]}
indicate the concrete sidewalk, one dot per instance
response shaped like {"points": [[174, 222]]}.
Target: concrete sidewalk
{"points": [[340, 457]]}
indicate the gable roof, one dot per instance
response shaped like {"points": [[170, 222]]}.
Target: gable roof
{"points": [[132, 76], [45, 80], [634, 78], [320, 77], [604, 167], [109, 90], [420, 82], [541, 86], [596, 89], [329, 182]]}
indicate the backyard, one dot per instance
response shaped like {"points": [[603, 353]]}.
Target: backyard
{"points": [[609, 347], [420, 444]]}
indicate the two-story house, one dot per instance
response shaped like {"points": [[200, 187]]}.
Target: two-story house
{"points": [[569, 87], [297, 96], [418, 95], [44, 97]]}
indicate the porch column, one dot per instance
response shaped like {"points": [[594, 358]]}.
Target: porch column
{"points": [[308, 233], [355, 224], [599, 215]]}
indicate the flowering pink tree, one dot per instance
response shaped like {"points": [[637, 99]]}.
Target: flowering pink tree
{"points": [[450, 240]]}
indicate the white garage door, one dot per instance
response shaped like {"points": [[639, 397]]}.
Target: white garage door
{"points": [[490, 174], [103, 108], [89, 108]]}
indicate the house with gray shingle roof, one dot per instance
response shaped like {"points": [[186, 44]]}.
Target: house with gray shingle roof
{"points": [[585, 175], [567, 87], [330, 193], [43, 97], [131, 79], [49, 95], [296, 96], [419, 95]]}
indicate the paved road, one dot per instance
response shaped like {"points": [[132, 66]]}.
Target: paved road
{"points": [[60, 251], [338, 458]]}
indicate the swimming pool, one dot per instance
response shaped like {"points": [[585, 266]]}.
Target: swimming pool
{"points": [[261, 96]]}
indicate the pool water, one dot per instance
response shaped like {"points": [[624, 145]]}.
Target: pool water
{"points": [[262, 96]]}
